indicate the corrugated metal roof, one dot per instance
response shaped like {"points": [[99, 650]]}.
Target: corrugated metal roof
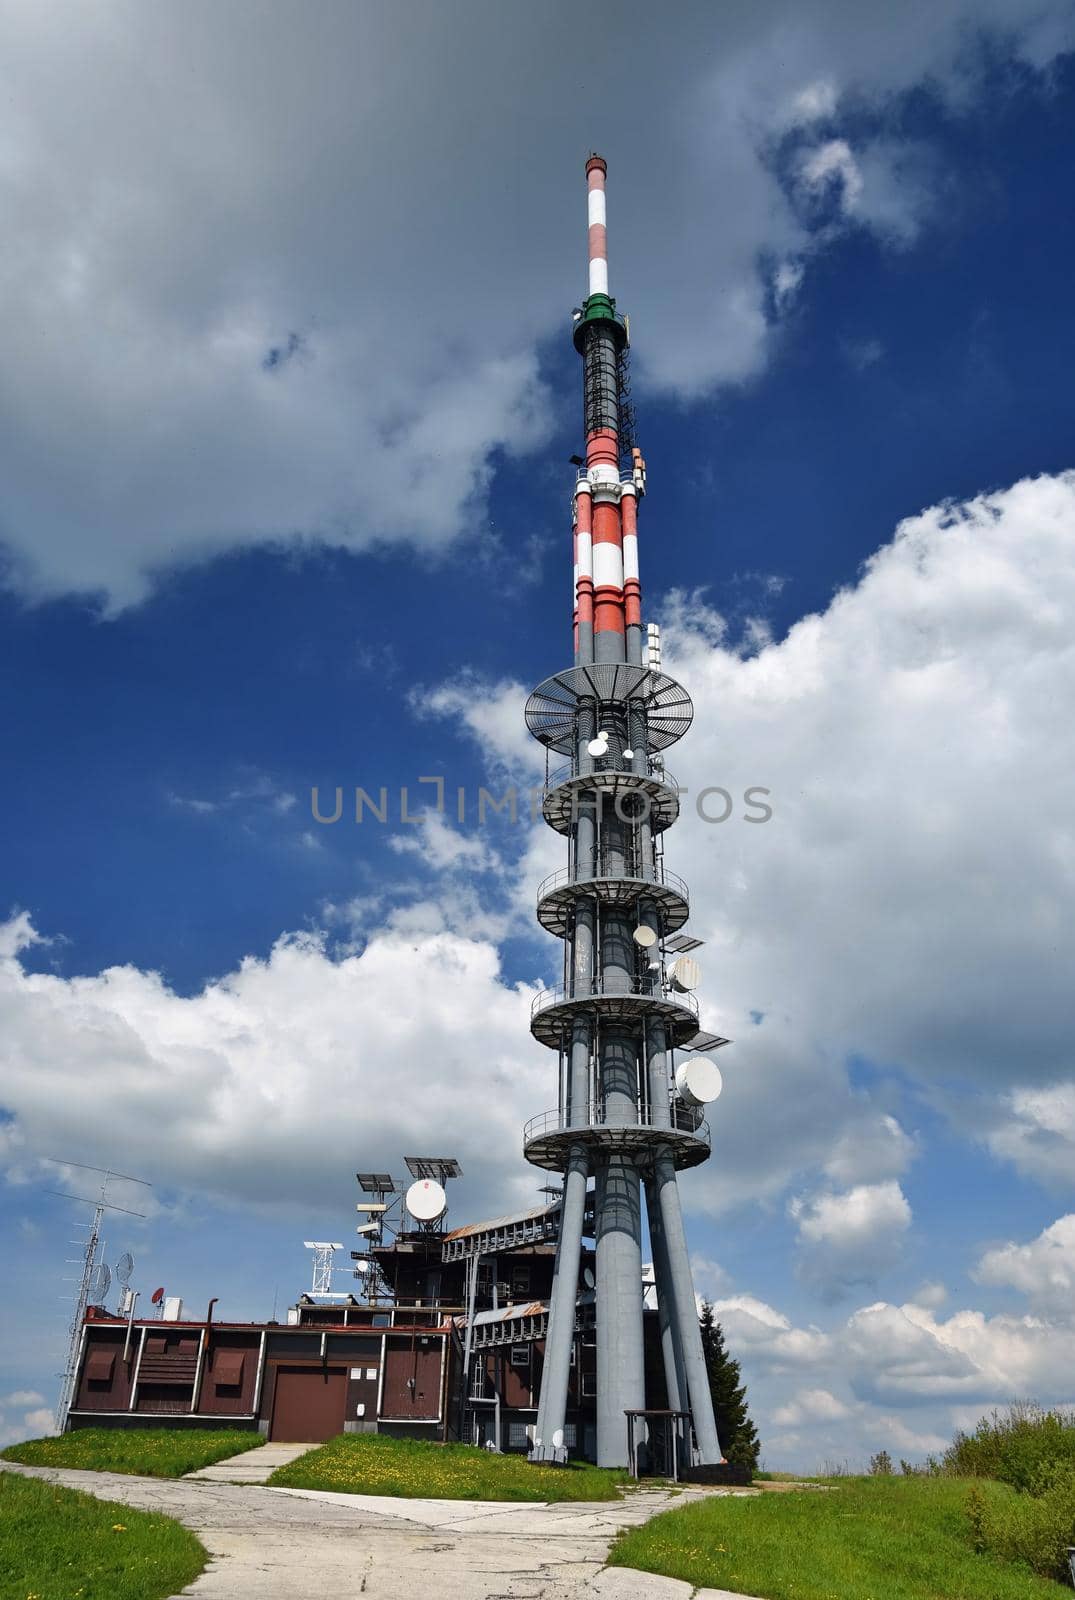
{"points": [[503, 1222], [533, 1308]]}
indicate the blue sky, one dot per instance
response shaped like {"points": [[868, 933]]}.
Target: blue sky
{"points": [[846, 254]]}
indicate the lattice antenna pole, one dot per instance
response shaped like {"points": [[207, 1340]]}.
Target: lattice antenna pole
{"points": [[323, 1264], [69, 1376]]}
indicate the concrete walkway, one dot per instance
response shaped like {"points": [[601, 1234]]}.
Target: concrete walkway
{"points": [[252, 1466], [274, 1544]]}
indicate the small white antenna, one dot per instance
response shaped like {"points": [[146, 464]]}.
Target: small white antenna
{"points": [[322, 1264]]}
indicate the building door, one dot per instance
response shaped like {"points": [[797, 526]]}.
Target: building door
{"points": [[308, 1403]]}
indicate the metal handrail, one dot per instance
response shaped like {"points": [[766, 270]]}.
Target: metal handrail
{"points": [[662, 878], [646, 990], [569, 771], [681, 1119]]}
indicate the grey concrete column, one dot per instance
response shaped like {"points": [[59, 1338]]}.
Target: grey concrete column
{"points": [[621, 1382], [560, 1336], [657, 1081], [685, 1310], [671, 1349], [609, 646]]}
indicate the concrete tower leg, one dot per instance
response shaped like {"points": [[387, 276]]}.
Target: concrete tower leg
{"points": [[685, 1311], [621, 1385], [556, 1373], [675, 1378]]}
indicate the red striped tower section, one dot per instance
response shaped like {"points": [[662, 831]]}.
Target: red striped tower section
{"points": [[601, 339]]}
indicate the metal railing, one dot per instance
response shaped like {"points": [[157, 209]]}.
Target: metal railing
{"points": [[609, 763], [545, 999], [661, 878], [681, 1119]]}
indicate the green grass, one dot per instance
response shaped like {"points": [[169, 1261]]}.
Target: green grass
{"points": [[58, 1544], [882, 1538], [367, 1463], [150, 1452]]}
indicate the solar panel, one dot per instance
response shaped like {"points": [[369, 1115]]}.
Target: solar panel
{"points": [[438, 1168], [376, 1182], [680, 943], [705, 1041]]}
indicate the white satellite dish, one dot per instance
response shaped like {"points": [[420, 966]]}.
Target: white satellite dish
{"points": [[588, 1278], [426, 1200], [699, 1081], [686, 974], [598, 747], [362, 1266], [645, 937], [628, 755]]}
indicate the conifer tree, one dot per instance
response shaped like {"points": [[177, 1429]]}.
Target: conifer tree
{"points": [[737, 1434]]}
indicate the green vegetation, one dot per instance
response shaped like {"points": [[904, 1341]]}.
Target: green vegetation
{"points": [[57, 1544], [737, 1434], [372, 1463], [1033, 1451], [1014, 1447], [149, 1452], [904, 1538]]}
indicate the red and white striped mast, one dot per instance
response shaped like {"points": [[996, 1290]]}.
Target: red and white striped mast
{"points": [[608, 595]]}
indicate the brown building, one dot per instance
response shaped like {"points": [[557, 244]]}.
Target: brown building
{"points": [[447, 1345]]}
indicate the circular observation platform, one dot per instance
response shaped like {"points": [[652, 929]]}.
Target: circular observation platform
{"points": [[621, 792], [554, 1011], [561, 891], [549, 1138], [554, 710]]}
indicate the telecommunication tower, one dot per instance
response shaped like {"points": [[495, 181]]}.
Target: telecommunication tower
{"points": [[628, 1116]]}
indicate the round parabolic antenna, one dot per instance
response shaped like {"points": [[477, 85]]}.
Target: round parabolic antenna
{"points": [[588, 1278], [598, 747], [686, 974], [644, 937], [699, 1081], [426, 1200]]}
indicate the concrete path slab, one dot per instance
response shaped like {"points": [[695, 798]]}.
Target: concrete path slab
{"points": [[251, 1466], [274, 1544]]}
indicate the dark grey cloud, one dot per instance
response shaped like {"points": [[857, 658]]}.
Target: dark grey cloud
{"points": [[285, 272]]}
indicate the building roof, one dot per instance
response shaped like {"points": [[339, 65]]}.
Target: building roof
{"points": [[533, 1308], [503, 1222]]}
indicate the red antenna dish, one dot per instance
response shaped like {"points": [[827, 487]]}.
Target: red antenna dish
{"points": [[157, 1296]]}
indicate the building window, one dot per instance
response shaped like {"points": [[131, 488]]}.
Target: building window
{"points": [[574, 1354], [589, 1338], [520, 1355], [570, 1435], [589, 1383], [520, 1280], [479, 1386], [519, 1435], [99, 1366]]}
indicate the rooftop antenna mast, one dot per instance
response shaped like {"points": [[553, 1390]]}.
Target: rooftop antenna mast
{"points": [[95, 1276], [324, 1255]]}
